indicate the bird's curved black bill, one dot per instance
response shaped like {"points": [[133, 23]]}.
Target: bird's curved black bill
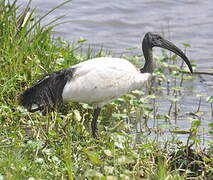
{"points": [[170, 46]]}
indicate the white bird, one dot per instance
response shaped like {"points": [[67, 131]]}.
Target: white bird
{"points": [[96, 81]]}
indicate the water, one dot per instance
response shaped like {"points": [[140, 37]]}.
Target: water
{"points": [[117, 25], [121, 24]]}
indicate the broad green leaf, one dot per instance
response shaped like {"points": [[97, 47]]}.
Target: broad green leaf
{"points": [[108, 152], [125, 160], [210, 99], [77, 115], [174, 99], [195, 140], [196, 123], [186, 44], [82, 40], [94, 157]]}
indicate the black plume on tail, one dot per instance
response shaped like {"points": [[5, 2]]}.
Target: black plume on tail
{"points": [[47, 92]]}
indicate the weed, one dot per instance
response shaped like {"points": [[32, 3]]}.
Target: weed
{"points": [[59, 145]]}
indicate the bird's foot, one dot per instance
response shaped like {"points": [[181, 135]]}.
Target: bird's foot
{"points": [[94, 132]]}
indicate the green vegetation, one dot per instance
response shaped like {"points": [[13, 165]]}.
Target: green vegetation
{"points": [[59, 145]]}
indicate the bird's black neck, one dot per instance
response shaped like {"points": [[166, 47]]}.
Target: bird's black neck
{"points": [[149, 64]]}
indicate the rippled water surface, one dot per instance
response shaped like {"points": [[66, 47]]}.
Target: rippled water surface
{"points": [[118, 25]]}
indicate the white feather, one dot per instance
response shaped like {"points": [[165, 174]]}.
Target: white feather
{"points": [[101, 80]]}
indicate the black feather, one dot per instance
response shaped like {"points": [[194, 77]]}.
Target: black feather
{"points": [[47, 92]]}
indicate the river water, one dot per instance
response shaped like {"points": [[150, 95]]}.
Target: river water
{"points": [[117, 25]]}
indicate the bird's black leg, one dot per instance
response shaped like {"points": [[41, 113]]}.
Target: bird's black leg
{"points": [[94, 121]]}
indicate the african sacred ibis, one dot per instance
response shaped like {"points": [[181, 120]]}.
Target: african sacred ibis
{"points": [[96, 81]]}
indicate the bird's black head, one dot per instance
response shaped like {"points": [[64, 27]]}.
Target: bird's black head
{"points": [[154, 40]]}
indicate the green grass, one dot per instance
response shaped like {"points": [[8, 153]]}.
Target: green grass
{"points": [[59, 145]]}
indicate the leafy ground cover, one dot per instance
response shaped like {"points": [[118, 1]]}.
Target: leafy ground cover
{"points": [[59, 145]]}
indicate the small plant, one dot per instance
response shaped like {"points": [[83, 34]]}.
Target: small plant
{"points": [[210, 100], [59, 145]]}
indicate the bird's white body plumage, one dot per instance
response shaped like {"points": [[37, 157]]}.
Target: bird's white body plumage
{"points": [[99, 81]]}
